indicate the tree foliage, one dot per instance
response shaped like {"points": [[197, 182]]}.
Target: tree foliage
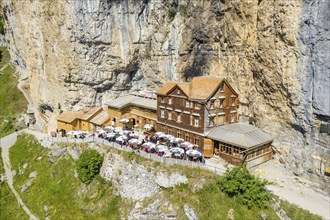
{"points": [[250, 190], [88, 165]]}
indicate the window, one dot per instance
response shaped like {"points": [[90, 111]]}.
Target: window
{"points": [[233, 101], [162, 113], [211, 121], [196, 105], [169, 115], [221, 103], [187, 103], [178, 134], [162, 99], [221, 87], [179, 117], [196, 141], [211, 104], [170, 100], [196, 121], [178, 92], [170, 131], [187, 137]]}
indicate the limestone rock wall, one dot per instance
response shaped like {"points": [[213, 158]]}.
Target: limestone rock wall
{"points": [[73, 54]]}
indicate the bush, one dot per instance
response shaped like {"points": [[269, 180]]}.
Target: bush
{"points": [[247, 188], [172, 12], [88, 165]]}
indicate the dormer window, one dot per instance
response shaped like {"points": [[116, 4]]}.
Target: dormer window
{"points": [[178, 92]]}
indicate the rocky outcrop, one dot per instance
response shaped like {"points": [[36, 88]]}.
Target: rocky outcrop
{"points": [[74, 54]]}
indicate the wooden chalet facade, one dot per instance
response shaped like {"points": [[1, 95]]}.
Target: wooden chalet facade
{"points": [[189, 110]]}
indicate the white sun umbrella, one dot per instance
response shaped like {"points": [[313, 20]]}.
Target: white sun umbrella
{"points": [[100, 131], [185, 144], [179, 140], [134, 135], [134, 141], [126, 132], [149, 145], [124, 137], [193, 153], [159, 134], [148, 127], [161, 148], [124, 120], [76, 133], [118, 129], [111, 135], [120, 139], [177, 150], [168, 137], [109, 128]]}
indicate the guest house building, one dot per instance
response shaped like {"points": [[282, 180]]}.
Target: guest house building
{"points": [[203, 112]]}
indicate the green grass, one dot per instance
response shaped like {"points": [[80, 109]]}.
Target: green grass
{"points": [[9, 207], [12, 101], [56, 186], [297, 214]]}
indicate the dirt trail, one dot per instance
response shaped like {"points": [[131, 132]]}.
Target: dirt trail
{"points": [[5, 144]]}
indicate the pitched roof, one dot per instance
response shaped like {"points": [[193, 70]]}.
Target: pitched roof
{"points": [[89, 113], [100, 118], [239, 134], [69, 116], [203, 87], [198, 88], [126, 100], [166, 88]]}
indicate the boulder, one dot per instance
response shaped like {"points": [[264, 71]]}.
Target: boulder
{"points": [[33, 174], [190, 212]]}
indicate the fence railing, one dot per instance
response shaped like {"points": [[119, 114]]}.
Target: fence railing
{"points": [[150, 156]]}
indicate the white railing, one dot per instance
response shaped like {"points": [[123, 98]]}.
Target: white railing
{"points": [[150, 156]]}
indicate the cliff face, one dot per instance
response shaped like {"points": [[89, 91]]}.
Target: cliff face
{"points": [[74, 54]]}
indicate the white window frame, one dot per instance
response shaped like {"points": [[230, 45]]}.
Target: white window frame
{"points": [[187, 104], [169, 115], [170, 100], [222, 100], [196, 121], [162, 113], [196, 104], [179, 117]]}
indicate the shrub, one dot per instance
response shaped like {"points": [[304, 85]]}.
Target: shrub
{"points": [[88, 165], [250, 190], [172, 12]]}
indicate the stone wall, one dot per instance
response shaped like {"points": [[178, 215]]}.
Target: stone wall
{"points": [[75, 54]]}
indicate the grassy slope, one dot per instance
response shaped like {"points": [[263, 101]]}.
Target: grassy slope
{"points": [[12, 101], [9, 208], [56, 187]]}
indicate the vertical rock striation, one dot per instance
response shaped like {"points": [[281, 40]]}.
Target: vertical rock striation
{"points": [[74, 54]]}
